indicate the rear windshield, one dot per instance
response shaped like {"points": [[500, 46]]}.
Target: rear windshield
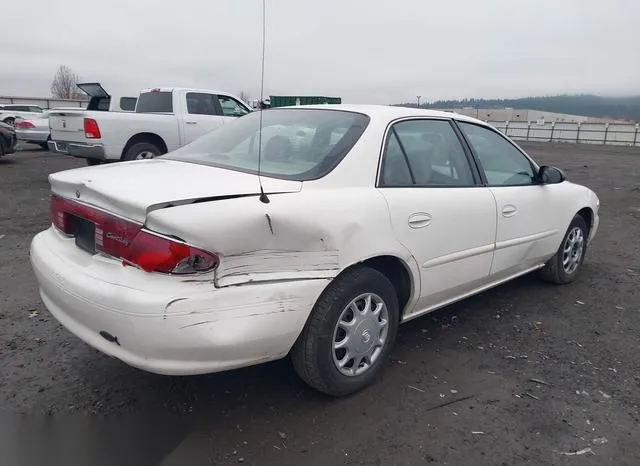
{"points": [[155, 102], [297, 144]]}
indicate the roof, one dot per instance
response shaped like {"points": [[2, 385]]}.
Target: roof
{"points": [[186, 89], [388, 111]]}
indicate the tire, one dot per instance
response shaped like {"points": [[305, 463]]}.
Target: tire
{"points": [[314, 356], [554, 270], [44, 145], [9, 121], [137, 151]]}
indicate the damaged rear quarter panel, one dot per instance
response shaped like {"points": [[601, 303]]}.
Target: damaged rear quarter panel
{"points": [[311, 234]]}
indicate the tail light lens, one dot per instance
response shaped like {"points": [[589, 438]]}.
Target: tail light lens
{"points": [[154, 253], [91, 129], [129, 242], [24, 124]]}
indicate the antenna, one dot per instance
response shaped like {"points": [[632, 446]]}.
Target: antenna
{"points": [[263, 196]]}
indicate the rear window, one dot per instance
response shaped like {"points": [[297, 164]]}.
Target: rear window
{"points": [[155, 102], [297, 144]]}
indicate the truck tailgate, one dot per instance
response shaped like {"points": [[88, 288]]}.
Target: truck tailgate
{"points": [[67, 125]]}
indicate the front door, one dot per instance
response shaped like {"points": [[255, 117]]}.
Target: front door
{"points": [[439, 209], [202, 115], [530, 226]]}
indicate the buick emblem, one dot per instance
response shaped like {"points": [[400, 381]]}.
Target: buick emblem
{"points": [[366, 336], [78, 193]]}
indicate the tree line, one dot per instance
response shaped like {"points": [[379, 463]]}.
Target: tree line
{"points": [[619, 108]]}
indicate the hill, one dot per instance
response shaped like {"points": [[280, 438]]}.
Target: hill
{"points": [[623, 108]]}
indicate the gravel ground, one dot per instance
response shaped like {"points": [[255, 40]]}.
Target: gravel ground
{"points": [[527, 373]]}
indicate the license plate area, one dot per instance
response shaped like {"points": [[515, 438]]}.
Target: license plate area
{"points": [[85, 234]]}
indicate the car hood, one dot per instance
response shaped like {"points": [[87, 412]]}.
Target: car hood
{"points": [[133, 189]]}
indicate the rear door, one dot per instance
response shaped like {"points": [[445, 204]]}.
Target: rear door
{"points": [[202, 114], [439, 209]]}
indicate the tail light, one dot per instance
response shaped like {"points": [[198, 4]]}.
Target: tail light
{"points": [[129, 242], [24, 124], [91, 129]]}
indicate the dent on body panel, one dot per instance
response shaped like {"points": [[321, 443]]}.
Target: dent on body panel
{"points": [[296, 236]]}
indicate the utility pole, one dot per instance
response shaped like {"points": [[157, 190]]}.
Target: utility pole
{"points": [[419, 97]]}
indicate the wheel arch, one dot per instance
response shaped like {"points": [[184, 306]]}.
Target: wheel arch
{"points": [[398, 272], [587, 214], [151, 138]]}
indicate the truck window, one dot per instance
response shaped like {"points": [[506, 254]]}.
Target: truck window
{"points": [[128, 103], [231, 107], [155, 102], [199, 103]]}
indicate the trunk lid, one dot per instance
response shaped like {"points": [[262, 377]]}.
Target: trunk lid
{"points": [[133, 189]]}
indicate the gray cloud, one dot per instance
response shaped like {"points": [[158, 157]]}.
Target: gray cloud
{"points": [[371, 51]]}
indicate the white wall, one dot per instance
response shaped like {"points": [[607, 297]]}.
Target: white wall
{"points": [[43, 102]]}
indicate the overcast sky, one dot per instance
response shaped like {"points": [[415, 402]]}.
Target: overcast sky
{"points": [[367, 51]]}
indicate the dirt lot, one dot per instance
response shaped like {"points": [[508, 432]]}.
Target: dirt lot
{"points": [[579, 341]]}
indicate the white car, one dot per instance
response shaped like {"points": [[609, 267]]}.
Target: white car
{"points": [[9, 113], [33, 130], [178, 265]]}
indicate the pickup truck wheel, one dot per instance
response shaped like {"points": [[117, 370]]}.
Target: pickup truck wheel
{"points": [[141, 151], [349, 334]]}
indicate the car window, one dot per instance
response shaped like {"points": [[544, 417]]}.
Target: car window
{"points": [[295, 144], [35, 109], [231, 107], [424, 153], [502, 162], [200, 103], [155, 102]]}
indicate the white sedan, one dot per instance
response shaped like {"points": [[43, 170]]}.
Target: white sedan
{"points": [[34, 130], [178, 265]]}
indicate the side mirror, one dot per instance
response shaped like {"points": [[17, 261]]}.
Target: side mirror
{"points": [[551, 175]]}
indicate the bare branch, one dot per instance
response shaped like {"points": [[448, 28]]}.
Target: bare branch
{"points": [[64, 83]]}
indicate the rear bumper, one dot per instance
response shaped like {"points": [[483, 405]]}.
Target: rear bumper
{"points": [[78, 149], [37, 136], [163, 324]]}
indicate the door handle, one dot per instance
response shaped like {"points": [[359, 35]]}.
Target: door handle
{"points": [[509, 210], [191, 122], [419, 220]]}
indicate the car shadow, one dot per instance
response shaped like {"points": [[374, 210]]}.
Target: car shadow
{"points": [[276, 383], [216, 410]]}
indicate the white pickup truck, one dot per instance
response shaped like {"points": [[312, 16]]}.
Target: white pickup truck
{"points": [[164, 120]]}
